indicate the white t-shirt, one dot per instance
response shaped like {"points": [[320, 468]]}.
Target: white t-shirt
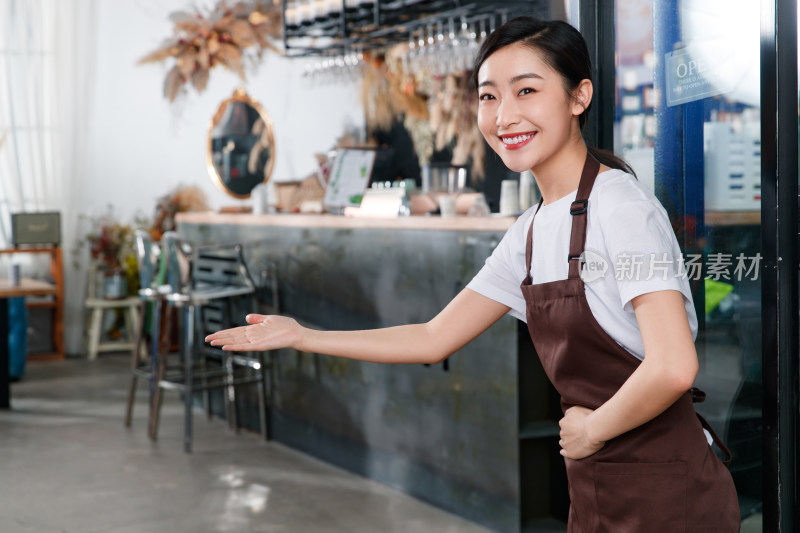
{"points": [[626, 227]]}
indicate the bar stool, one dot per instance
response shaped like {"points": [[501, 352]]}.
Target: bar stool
{"points": [[152, 293], [205, 283]]}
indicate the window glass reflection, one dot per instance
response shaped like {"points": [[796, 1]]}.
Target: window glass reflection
{"points": [[688, 122]]}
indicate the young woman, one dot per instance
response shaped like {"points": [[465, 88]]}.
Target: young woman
{"points": [[618, 344]]}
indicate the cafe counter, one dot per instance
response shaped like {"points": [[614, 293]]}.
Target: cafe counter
{"points": [[447, 433]]}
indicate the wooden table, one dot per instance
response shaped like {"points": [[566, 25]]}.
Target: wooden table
{"points": [[55, 303], [27, 287]]}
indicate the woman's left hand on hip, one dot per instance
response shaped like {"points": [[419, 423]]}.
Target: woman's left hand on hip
{"points": [[575, 441]]}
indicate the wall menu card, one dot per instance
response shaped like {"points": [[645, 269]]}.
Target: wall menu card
{"points": [[349, 178]]}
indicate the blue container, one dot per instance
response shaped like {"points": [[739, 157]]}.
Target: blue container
{"points": [[17, 337]]}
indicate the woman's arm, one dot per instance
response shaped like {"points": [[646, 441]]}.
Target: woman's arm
{"points": [[669, 369], [468, 315]]}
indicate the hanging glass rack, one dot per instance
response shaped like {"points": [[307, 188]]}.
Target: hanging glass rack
{"points": [[336, 27]]}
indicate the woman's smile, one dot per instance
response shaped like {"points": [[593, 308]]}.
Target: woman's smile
{"points": [[515, 141]]}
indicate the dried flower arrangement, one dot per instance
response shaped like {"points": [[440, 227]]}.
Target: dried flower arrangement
{"points": [[220, 37], [111, 245], [182, 198], [384, 94], [437, 111], [454, 116]]}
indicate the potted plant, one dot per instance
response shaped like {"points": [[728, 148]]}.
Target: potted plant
{"points": [[111, 245]]}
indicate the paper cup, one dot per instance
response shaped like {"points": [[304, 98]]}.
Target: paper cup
{"points": [[447, 205]]}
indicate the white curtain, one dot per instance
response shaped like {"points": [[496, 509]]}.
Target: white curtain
{"points": [[46, 74]]}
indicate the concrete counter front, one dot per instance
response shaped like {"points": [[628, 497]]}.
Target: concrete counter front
{"points": [[446, 433]]}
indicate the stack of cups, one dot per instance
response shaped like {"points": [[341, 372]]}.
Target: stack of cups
{"points": [[526, 194], [509, 197]]}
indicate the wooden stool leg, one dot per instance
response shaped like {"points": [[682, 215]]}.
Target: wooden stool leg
{"points": [[134, 321], [126, 315], [94, 332], [130, 315]]}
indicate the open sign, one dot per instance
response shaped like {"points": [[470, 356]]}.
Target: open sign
{"points": [[686, 78]]}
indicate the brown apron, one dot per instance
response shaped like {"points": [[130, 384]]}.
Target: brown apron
{"points": [[659, 477]]}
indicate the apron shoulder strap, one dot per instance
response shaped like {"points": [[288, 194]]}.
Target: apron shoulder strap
{"points": [[577, 209], [529, 246]]}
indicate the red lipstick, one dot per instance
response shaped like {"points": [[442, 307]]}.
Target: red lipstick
{"points": [[522, 139]]}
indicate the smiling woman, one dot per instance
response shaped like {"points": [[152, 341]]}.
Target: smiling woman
{"points": [[618, 348], [534, 86]]}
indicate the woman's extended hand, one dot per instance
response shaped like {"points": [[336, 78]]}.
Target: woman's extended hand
{"points": [[575, 440], [265, 332]]}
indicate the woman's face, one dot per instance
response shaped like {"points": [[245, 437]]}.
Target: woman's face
{"points": [[524, 113]]}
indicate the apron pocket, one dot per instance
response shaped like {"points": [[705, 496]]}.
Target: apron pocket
{"points": [[634, 497]]}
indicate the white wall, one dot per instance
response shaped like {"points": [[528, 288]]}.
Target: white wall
{"points": [[140, 146]]}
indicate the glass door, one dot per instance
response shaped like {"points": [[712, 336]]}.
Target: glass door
{"points": [[688, 121]]}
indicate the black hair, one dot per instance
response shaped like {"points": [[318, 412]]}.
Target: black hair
{"points": [[563, 49]]}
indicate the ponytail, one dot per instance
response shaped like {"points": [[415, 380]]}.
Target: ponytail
{"points": [[609, 159]]}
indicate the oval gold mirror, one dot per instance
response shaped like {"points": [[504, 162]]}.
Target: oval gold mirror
{"points": [[241, 145]]}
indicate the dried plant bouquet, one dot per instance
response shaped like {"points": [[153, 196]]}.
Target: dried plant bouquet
{"points": [[182, 198], [224, 36], [438, 111]]}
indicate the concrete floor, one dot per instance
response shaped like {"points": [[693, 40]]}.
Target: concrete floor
{"points": [[68, 465]]}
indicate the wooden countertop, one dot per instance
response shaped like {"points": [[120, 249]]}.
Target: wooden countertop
{"points": [[458, 223], [26, 287]]}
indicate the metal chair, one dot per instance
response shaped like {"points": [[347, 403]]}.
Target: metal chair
{"points": [[151, 293], [205, 285]]}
